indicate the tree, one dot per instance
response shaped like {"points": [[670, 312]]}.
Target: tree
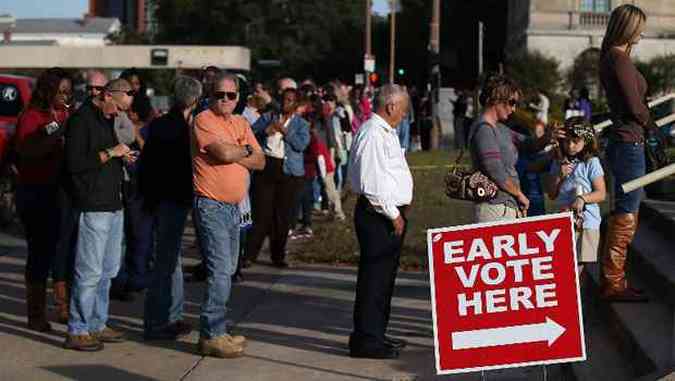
{"points": [[585, 72], [310, 37], [659, 74], [536, 72], [533, 71]]}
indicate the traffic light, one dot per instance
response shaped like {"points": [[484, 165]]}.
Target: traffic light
{"points": [[401, 71], [373, 78]]}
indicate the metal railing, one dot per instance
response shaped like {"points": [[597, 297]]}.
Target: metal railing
{"points": [[593, 19], [660, 122]]}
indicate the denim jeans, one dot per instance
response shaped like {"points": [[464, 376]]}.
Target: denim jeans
{"points": [[626, 162], [219, 246], [164, 299], [97, 261], [404, 134]]}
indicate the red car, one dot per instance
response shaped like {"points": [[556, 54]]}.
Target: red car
{"points": [[15, 92]]}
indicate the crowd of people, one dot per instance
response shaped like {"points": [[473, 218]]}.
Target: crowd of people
{"points": [[106, 187]]}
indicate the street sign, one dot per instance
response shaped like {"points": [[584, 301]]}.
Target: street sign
{"points": [[505, 294]]}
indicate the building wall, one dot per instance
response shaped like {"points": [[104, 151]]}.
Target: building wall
{"points": [[557, 29], [63, 39]]}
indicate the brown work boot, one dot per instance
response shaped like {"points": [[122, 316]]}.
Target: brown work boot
{"points": [[108, 335], [61, 301], [620, 232], [220, 346], [84, 343], [36, 304]]}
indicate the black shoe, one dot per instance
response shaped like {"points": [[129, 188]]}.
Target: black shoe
{"points": [[121, 293], [374, 353], [280, 264], [246, 263], [172, 331], [395, 343]]}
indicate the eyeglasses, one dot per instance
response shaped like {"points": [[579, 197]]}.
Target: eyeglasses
{"points": [[97, 88], [127, 92], [222, 95]]}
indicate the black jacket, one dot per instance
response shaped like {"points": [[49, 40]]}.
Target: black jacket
{"points": [[96, 187], [165, 171]]}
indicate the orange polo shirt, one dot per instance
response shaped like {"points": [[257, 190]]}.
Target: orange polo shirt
{"points": [[221, 182]]}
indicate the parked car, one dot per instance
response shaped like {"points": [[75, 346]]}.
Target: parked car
{"points": [[15, 93]]}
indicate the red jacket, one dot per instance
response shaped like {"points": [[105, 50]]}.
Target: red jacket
{"points": [[317, 148]]}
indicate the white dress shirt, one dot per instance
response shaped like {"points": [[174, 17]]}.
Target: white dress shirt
{"points": [[377, 167]]}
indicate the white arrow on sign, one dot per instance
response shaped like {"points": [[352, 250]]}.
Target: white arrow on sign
{"points": [[549, 331]]}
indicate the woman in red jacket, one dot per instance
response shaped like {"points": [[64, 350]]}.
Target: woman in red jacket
{"points": [[39, 147]]}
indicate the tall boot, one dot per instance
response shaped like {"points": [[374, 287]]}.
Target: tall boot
{"points": [[620, 232], [61, 301], [36, 302]]}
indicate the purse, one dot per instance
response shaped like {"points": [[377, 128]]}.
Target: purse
{"points": [[469, 185]]}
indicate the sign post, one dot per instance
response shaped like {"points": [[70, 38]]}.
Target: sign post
{"points": [[505, 294]]}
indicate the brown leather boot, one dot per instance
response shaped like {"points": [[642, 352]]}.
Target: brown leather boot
{"points": [[36, 303], [61, 301], [620, 232]]}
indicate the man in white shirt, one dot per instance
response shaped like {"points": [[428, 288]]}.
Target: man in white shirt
{"points": [[380, 175]]}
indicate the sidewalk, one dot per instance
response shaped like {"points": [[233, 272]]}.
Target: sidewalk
{"points": [[297, 322]]}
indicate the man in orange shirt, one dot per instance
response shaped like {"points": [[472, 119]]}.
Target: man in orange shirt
{"points": [[224, 149]]}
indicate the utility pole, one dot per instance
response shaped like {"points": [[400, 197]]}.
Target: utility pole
{"points": [[481, 31], [368, 44], [435, 48], [392, 40]]}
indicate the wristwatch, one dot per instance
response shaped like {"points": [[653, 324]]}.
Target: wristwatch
{"points": [[249, 150]]}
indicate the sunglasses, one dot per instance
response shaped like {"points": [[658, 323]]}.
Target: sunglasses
{"points": [[97, 88], [127, 92], [222, 95]]}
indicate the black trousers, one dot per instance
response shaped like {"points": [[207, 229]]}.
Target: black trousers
{"points": [[274, 195], [39, 210], [378, 266], [64, 260]]}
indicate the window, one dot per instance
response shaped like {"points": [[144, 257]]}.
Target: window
{"points": [[597, 6]]}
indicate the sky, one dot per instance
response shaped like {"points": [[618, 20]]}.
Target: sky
{"points": [[76, 8]]}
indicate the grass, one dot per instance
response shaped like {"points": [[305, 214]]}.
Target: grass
{"points": [[335, 242]]}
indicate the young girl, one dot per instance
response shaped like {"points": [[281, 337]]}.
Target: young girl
{"points": [[576, 182]]}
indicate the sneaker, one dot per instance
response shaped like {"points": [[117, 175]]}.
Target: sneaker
{"points": [[306, 232], [221, 346], [84, 343], [108, 335]]}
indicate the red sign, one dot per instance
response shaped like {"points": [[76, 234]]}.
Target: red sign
{"points": [[505, 294]]}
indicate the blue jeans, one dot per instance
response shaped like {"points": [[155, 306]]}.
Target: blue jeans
{"points": [[219, 246], [404, 133], [97, 260], [627, 162], [164, 299]]}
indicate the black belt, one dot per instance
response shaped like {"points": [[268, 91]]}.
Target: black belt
{"points": [[363, 200]]}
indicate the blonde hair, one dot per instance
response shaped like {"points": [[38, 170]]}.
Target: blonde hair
{"points": [[625, 24]]}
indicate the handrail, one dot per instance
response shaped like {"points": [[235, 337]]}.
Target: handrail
{"points": [[653, 103]]}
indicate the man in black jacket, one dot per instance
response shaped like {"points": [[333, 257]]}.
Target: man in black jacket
{"points": [[94, 162]]}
